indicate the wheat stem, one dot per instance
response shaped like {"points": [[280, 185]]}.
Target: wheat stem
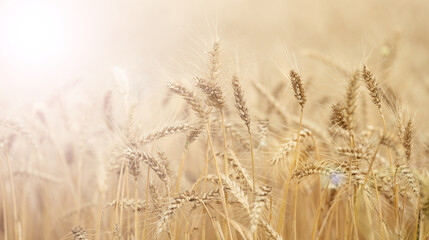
{"points": [[147, 202], [319, 210], [136, 217], [12, 185], [122, 196], [294, 211], [253, 161], [3, 199], [225, 146], [99, 212], [225, 208], [285, 195], [418, 221], [380, 211], [180, 172], [297, 156], [121, 173]]}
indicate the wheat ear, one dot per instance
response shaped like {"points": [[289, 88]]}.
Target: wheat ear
{"points": [[79, 233], [195, 103], [169, 130], [243, 112]]}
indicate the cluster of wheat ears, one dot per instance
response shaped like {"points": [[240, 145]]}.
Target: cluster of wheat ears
{"points": [[274, 174]]}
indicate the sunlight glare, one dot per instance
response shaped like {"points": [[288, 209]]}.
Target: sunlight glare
{"points": [[33, 34]]}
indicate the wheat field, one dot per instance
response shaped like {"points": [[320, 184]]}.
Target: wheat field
{"points": [[219, 120]]}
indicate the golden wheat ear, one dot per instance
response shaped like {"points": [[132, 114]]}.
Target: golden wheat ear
{"points": [[190, 98], [172, 208], [168, 130], [407, 140], [79, 233], [213, 91], [298, 88], [372, 86], [240, 102], [350, 102], [338, 116], [134, 158]]}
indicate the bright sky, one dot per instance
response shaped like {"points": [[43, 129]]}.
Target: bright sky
{"points": [[36, 41], [45, 44], [34, 34]]}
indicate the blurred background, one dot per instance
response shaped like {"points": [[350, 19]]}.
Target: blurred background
{"points": [[45, 45]]}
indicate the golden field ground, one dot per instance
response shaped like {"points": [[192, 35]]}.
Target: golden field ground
{"points": [[215, 120]]}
